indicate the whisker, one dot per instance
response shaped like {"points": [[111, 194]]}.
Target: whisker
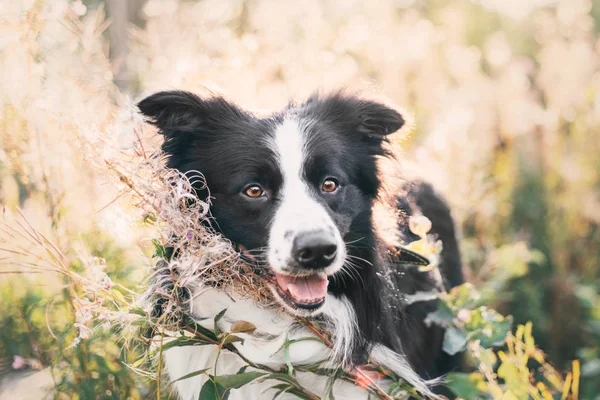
{"points": [[343, 274], [354, 241], [339, 276], [359, 258], [353, 272]]}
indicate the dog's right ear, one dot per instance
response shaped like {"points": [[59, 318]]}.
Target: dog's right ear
{"points": [[189, 123], [177, 112]]}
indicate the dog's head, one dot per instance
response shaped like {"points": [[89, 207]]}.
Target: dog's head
{"points": [[289, 188]]}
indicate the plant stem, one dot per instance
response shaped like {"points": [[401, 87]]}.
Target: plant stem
{"points": [[159, 371]]}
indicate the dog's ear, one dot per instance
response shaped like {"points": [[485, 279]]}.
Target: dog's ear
{"points": [[177, 112], [189, 122], [377, 121], [371, 120]]}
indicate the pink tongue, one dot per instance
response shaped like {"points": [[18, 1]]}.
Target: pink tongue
{"points": [[308, 288]]}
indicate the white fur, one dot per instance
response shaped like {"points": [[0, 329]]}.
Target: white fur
{"points": [[298, 210], [200, 357], [264, 347], [400, 366], [341, 320]]}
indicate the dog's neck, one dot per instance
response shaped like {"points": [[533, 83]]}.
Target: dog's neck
{"points": [[357, 283]]}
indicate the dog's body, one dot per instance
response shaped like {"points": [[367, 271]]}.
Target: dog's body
{"points": [[295, 192]]}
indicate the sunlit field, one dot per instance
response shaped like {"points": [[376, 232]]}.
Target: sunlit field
{"points": [[503, 100]]}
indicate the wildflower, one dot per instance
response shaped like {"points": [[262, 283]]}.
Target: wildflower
{"points": [[78, 8], [419, 225], [105, 282], [464, 315], [19, 362], [84, 331], [84, 310], [35, 364]]}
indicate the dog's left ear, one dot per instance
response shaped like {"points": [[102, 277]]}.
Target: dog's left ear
{"points": [[372, 121], [377, 121]]}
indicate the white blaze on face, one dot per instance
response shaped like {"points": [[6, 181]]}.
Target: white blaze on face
{"points": [[298, 211]]}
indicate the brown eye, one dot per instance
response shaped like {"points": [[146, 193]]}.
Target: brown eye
{"points": [[329, 185], [254, 191]]}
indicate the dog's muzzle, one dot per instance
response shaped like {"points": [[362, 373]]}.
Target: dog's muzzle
{"points": [[314, 250], [302, 285]]}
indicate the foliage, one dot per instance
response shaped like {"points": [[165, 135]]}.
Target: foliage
{"points": [[515, 378], [505, 102]]}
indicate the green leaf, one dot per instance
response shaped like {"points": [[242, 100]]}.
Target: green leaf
{"points": [[443, 316], [180, 341], [236, 381], [212, 391], [513, 380], [328, 392], [243, 369], [280, 376], [587, 296], [287, 358], [217, 318], [281, 388], [242, 327], [455, 340], [232, 339], [140, 361], [149, 219], [191, 375], [190, 323], [285, 346], [463, 296], [411, 257], [488, 326], [511, 260], [159, 250], [467, 386]]}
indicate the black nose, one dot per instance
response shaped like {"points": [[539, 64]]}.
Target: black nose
{"points": [[314, 250]]}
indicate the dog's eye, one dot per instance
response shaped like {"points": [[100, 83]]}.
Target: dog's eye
{"points": [[329, 185], [254, 191]]}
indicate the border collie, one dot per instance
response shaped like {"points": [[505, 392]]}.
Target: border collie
{"points": [[296, 190]]}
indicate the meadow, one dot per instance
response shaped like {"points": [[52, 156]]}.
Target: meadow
{"points": [[504, 103]]}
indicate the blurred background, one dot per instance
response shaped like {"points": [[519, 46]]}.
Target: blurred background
{"points": [[504, 96]]}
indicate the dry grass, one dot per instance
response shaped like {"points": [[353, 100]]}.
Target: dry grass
{"points": [[504, 99]]}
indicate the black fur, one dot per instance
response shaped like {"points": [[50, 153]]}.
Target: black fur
{"points": [[347, 134]]}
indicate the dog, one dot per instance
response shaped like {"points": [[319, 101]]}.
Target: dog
{"points": [[295, 192]]}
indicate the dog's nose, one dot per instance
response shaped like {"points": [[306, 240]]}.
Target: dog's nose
{"points": [[314, 250]]}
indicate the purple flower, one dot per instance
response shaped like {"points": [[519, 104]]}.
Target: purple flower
{"points": [[18, 362]]}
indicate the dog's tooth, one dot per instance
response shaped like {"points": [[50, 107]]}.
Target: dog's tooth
{"points": [[293, 293], [299, 299], [296, 297]]}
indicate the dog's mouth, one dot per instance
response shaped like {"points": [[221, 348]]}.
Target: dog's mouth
{"points": [[299, 292], [305, 292]]}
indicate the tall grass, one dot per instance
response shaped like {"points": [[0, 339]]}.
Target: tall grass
{"points": [[506, 109]]}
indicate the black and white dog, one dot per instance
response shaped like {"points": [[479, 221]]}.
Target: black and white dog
{"points": [[296, 189]]}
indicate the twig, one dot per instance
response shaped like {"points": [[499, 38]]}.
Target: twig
{"points": [[382, 394]]}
